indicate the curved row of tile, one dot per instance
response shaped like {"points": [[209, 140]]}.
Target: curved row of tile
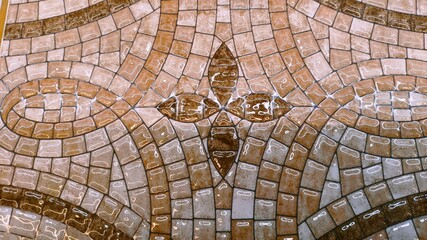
{"points": [[414, 7], [59, 94], [309, 199], [119, 9], [408, 7], [301, 151], [110, 220], [24, 225], [159, 222], [98, 152], [98, 146], [191, 71], [353, 217], [92, 170], [79, 169], [114, 49], [379, 192], [245, 197], [352, 110], [109, 28], [153, 158], [84, 73], [298, 172], [411, 229], [323, 148], [99, 169], [390, 17], [340, 33], [23, 11], [130, 98], [298, 118], [353, 73], [310, 51], [336, 39]]}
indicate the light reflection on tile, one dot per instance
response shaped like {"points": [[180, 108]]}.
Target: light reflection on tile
{"points": [[213, 119]]}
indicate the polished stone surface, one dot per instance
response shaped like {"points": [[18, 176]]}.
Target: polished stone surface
{"points": [[214, 119]]}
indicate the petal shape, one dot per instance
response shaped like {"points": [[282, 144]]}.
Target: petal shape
{"points": [[259, 107], [223, 143], [188, 107], [223, 73]]}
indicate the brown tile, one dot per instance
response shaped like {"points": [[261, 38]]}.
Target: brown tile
{"points": [[54, 25], [32, 29], [98, 11], [32, 201], [372, 221], [76, 19], [13, 31], [116, 5], [242, 229]]}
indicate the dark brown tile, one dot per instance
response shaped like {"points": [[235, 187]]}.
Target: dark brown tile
{"points": [[76, 19], [13, 31], [54, 25], [335, 4], [372, 221], [79, 219], [116, 5], [353, 8], [242, 229], [420, 23], [32, 29], [32, 201], [376, 15], [350, 230], [400, 20], [223, 143], [56, 208], [397, 211], [100, 229], [418, 204], [98, 11], [10, 196], [223, 73]]}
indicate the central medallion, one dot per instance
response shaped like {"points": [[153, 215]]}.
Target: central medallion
{"points": [[223, 140]]}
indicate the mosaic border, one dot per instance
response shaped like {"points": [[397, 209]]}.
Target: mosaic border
{"points": [[378, 15]]}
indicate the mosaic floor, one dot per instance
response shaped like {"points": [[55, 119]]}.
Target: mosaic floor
{"points": [[214, 119]]}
